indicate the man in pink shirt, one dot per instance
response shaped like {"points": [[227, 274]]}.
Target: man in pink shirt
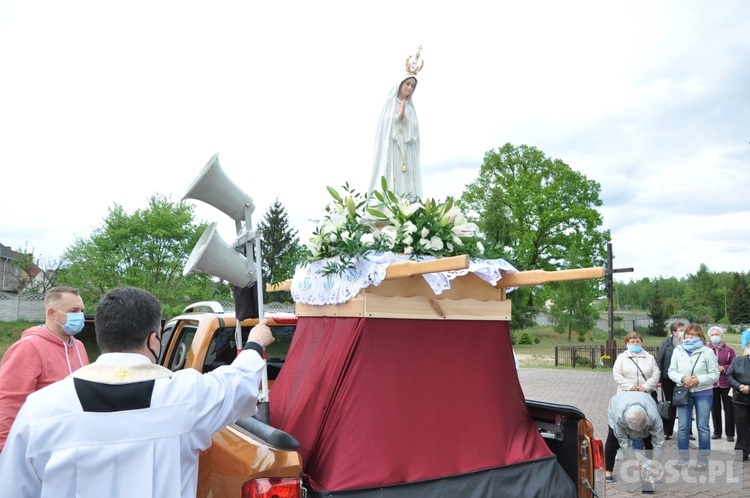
{"points": [[44, 354]]}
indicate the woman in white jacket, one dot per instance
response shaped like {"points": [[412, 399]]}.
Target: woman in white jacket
{"points": [[636, 369], [694, 366]]}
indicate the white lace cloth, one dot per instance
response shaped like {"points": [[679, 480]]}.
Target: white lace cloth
{"points": [[309, 286]]}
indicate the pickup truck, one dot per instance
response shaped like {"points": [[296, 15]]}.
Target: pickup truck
{"points": [[254, 459]]}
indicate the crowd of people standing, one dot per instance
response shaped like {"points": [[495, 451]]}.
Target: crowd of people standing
{"points": [[718, 384]]}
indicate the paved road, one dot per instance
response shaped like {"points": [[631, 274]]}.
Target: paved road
{"points": [[590, 391]]}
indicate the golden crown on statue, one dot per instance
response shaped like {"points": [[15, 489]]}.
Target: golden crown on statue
{"points": [[414, 63]]}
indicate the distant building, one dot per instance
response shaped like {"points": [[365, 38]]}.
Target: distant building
{"points": [[12, 278]]}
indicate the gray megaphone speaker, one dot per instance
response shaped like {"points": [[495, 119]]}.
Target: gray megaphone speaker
{"points": [[214, 187], [213, 256]]}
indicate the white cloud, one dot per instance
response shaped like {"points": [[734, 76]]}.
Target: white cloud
{"points": [[105, 103]]}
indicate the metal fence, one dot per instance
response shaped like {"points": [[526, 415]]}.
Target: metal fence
{"points": [[591, 356]]}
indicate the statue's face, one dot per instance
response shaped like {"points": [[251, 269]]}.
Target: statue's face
{"points": [[407, 88]]}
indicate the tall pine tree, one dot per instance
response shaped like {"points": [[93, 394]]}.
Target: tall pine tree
{"points": [[658, 327], [703, 296], [280, 246], [739, 301]]}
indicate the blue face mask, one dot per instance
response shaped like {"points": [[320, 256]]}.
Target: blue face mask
{"points": [[715, 339], [635, 349], [73, 323], [681, 334], [692, 344]]}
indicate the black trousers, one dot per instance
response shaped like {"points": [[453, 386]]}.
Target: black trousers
{"points": [[668, 387], [612, 445], [721, 396], [742, 421]]}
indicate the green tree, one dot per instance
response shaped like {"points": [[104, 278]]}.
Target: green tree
{"points": [[531, 210], [739, 300], [572, 308], [146, 249], [658, 315], [280, 249], [702, 297], [573, 302]]}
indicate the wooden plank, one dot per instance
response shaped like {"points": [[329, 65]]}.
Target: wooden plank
{"points": [[423, 308], [468, 285], [538, 277], [403, 269]]}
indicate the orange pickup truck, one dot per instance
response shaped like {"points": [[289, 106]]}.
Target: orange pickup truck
{"points": [[253, 459]]}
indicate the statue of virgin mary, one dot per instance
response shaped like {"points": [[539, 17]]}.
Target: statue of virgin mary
{"points": [[396, 154]]}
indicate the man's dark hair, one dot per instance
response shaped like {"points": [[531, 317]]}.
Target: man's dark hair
{"points": [[124, 319]]}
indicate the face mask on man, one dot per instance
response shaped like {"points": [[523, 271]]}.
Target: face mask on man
{"points": [[681, 334], [73, 322], [635, 348], [715, 339]]}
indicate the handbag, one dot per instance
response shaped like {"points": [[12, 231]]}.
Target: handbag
{"points": [[664, 405], [680, 396]]}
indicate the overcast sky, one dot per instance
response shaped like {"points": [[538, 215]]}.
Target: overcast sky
{"points": [[106, 102]]}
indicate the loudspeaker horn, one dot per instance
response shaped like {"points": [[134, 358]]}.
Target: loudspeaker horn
{"points": [[213, 256], [214, 187]]}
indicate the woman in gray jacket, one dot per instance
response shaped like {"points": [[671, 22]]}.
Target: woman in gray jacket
{"points": [[694, 366]]}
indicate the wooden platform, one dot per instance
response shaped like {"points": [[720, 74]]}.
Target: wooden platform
{"points": [[404, 293], [469, 298]]}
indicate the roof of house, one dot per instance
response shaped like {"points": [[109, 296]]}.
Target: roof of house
{"points": [[8, 253]]}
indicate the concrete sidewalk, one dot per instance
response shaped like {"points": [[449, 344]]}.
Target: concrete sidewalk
{"points": [[590, 390]]}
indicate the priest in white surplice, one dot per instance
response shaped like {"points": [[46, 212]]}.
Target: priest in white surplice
{"points": [[124, 426]]}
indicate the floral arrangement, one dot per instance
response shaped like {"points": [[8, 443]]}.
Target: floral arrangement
{"points": [[604, 359], [354, 225]]}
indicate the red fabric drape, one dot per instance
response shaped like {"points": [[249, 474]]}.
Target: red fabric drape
{"points": [[375, 402]]}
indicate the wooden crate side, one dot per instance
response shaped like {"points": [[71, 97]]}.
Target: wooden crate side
{"points": [[424, 308]]}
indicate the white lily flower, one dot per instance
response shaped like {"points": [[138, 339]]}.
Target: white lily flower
{"points": [[337, 220], [407, 208], [459, 219], [367, 239], [408, 240], [453, 214], [466, 230], [345, 235], [425, 232], [336, 208], [409, 227], [389, 232]]}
